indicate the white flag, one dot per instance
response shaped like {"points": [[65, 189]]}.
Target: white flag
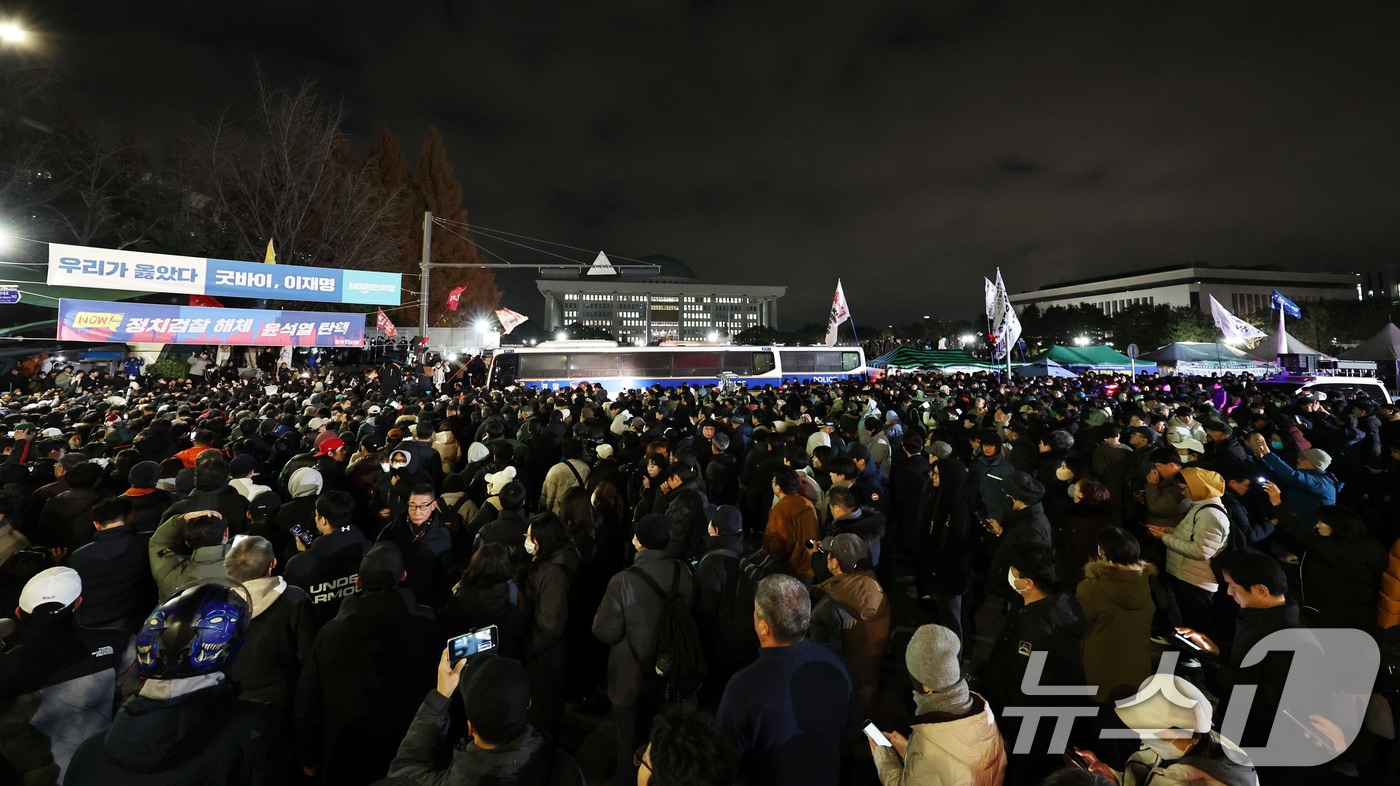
{"points": [[990, 296], [1005, 324], [1010, 331], [509, 319], [840, 312], [1234, 328], [1000, 303]]}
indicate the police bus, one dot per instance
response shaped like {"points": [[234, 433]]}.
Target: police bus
{"points": [[561, 364]]}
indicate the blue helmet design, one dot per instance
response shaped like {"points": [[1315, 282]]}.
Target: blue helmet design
{"points": [[197, 631]]}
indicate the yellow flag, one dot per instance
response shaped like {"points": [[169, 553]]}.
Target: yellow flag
{"points": [[271, 256]]}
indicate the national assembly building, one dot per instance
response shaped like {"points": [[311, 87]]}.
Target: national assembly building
{"points": [[661, 299]]}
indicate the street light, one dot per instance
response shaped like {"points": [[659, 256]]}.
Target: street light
{"points": [[1081, 341], [12, 33], [967, 338]]}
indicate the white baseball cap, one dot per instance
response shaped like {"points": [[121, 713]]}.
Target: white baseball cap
{"points": [[55, 585]]}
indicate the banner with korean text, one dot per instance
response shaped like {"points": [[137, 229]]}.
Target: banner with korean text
{"points": [[106, 268], [96, 320]]}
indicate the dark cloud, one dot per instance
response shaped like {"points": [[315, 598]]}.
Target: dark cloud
{"points": [[909, 148]]}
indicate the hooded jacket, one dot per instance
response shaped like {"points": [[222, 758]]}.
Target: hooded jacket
{"points": [[866, 623], [207, 736], [57, 685], [276, 644], [1202, 532], [1118, 610]]}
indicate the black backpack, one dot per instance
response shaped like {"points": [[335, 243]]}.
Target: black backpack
{"points": [[733, 639], [680, 660], [1237, 539]]}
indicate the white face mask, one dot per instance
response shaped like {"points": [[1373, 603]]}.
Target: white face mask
{"points": [[1163, 748], [1073, 493], [384, 465], [1063, 473], [530, 547], [1011, 579]]}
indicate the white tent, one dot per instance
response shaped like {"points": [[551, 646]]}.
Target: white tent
{"points": [[1384, 347], [1269, 348]]}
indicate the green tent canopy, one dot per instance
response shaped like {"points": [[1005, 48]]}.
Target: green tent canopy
{"points": [[922, 359], [1101, 358]]}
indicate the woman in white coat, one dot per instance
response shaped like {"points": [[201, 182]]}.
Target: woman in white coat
{"points": [[955, 741]]}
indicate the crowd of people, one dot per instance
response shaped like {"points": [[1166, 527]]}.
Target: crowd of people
{"points": [[222, 580]]}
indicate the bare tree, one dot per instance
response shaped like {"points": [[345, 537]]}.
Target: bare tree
{"points": [[285, 173]]}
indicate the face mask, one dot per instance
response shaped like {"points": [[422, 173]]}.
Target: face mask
{"points": [[1011, 579], [1163, 748], [530, 547], [384, 465], [1185, 457], [1063, 473], [1073, 493], [1276, 444]]}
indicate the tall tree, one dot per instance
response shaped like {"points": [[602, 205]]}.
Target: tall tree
{"points": [[285, 172], [435, 189]]}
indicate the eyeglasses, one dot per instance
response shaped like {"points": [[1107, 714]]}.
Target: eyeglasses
{"points": [[425, 506], [639, 757]]}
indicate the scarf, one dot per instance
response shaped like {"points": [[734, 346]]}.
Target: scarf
{"points": [[955, 699]]}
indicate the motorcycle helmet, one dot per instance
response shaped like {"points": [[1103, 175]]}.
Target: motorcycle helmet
{"points": [[197, 631]]}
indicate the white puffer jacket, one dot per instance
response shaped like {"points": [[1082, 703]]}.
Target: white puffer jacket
{"points": [[963, 752], [1202, 533]]}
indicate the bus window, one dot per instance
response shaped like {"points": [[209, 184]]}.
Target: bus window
{"points": [[503, 370], [594, 365], [799, 362], [696, 364], [554, 365], [762, 362], [850, 361], [644, 364]]}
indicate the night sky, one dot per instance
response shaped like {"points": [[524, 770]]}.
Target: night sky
{"points": [[909, 148]]}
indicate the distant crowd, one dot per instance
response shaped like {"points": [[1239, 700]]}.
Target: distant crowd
{"points": [[230, 580]]}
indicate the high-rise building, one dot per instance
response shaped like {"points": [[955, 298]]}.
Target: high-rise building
{"points": [[666, 302]]}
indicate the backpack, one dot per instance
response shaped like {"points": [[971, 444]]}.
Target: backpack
{"points": [[680, 660], [1236, 539], [733, 639]]}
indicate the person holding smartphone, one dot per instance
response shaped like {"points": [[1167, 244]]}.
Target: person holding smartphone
{"points": [[955, 737]]}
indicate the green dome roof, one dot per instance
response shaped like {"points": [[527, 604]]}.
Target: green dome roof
{"points": [[671, 268]]}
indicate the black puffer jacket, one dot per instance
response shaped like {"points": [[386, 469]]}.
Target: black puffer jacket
{"points": [[1027, 525], [686, 507], [116, 571], [208, 736], [942, 538]]}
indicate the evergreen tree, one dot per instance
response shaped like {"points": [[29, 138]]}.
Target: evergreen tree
{"points": [[435, 189]]}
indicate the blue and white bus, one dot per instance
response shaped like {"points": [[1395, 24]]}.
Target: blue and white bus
{"points": [[561, 364]]}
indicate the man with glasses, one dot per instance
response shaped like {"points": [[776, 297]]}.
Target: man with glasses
{"points": [[426, 544]]}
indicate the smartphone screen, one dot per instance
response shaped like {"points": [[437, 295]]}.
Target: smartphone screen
{"points": [[877, 735], [1312, 734], [1187, 642], [471, 643]]}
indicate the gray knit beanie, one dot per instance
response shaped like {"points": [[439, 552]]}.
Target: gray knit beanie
{"points": [[932, 657]]}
